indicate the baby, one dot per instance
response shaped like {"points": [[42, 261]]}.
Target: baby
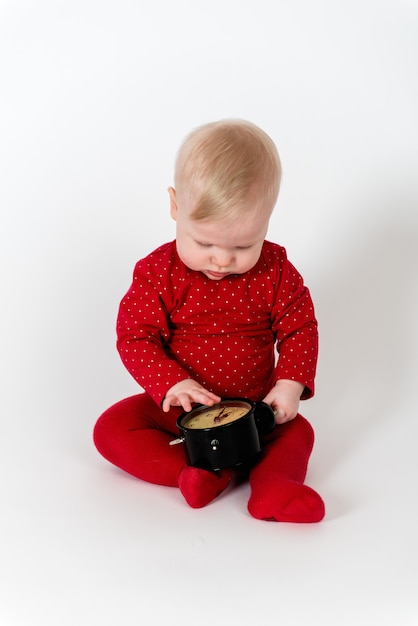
{"points": [[202, 320]]}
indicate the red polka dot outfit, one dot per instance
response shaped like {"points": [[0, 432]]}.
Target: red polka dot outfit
{"points": [[236, 337], [175, 323]]}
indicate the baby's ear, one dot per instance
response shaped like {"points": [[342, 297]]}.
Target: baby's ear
{"points": [[173, 202]]}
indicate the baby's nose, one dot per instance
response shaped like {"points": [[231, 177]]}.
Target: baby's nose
{"points": [[222, 258]]}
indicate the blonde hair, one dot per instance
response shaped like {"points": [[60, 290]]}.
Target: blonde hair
{"points": [[222, 165]]}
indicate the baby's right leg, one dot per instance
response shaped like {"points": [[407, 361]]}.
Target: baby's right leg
{"points": [[134, 435], [129, 435]]}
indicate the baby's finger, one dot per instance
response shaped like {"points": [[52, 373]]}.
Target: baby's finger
{"points": [[280, 415], [168, 402], [213, 399], [184, 401], [206, 397]]}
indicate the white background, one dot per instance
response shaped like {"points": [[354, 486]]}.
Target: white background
{"points": [[95, 98]]}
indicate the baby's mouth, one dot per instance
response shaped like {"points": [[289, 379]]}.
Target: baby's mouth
{"points": [[216, 275]]}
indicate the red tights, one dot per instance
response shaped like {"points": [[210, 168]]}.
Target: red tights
{"points": [[134, 435]]}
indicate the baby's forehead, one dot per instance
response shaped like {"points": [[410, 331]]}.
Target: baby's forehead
{"points": [[243, 231]]}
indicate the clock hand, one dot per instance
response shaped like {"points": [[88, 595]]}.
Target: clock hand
{"points": [[219, 416]]}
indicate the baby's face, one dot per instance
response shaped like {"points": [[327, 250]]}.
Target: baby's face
{"points": [[219, 248]]}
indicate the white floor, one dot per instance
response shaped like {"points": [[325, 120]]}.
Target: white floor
{"points": [[95, 97], [85, 544]]}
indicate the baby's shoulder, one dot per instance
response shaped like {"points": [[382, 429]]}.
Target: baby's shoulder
{"points": [[273, 254], [159, 261], [165, 251]]}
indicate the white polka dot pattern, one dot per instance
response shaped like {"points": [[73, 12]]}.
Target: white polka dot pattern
{"points": [[175, 323]]}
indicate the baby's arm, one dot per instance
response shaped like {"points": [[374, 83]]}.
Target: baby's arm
{"points": [[296, 332], [187, 392], [143, 334], [284, 399]]}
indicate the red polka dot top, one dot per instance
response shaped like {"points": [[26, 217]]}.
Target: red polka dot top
{"points": [[236, 336]]}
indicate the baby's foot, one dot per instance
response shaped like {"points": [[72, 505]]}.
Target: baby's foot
{"points": [[199, 486], [283, 500]]}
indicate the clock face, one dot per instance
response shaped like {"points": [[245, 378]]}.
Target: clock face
{"points": [[216, 415]]}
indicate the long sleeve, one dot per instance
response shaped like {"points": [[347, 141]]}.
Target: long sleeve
{"points": [[143, 335], [296, 330]]}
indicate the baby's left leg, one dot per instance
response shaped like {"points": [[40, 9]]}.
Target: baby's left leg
{"points": [[277, 489]]}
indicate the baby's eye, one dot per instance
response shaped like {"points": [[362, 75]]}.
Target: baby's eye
{"points": [[203, 245]]}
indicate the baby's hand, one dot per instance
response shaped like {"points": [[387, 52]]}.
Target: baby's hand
{"points": [[284, 399], [185, 393]]}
